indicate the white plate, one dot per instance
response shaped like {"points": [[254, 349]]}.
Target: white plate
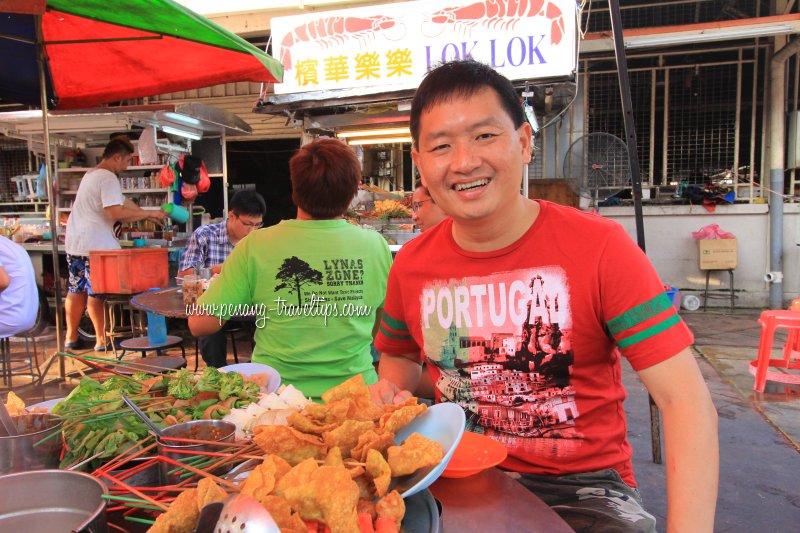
{"points": [[48, 404], [246, 369], [444, 423]]}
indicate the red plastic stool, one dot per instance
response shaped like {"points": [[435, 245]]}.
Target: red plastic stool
{"points": [[770, 321], [791, 350]]}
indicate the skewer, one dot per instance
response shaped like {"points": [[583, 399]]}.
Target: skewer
{"points": [[200, 472], [133, 490]]}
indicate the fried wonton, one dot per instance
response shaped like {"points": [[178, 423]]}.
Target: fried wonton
{"points": [[396, 420], [307, 424], [379, 471], [180, 517], [331, 413], [352, 388], [299, 475], [346, 435], [209, 492], [415, 453], [334, 457], [262, 479], [283, 515], [14, 404], [288, 443], [377, 439], [391, 507], [330, 496]]}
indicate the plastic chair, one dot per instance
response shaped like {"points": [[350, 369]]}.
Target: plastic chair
{"points": [[791, 350], [770, 321]]}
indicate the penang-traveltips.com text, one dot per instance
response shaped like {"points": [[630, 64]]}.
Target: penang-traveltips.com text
{"points": [[315, 306]]}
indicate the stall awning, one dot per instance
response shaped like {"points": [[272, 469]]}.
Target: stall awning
{"points": [[87, 125]]}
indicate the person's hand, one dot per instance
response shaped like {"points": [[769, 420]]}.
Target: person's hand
{"points": [[385, 392], [157, 216]]}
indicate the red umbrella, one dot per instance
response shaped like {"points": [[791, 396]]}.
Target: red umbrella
{"points": [[96, 51], [90, 52]]}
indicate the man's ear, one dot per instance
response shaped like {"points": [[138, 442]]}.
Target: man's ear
{"points": [[526, 141], [415, 158]]}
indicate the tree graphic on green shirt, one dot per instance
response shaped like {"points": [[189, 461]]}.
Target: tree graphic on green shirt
{"points": [[294, 274]]}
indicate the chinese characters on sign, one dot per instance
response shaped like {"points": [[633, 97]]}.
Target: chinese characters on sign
{"points": [[394, 49], [363, 66]]}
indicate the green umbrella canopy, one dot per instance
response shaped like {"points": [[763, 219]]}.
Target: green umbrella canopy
{"points": [[100, 51]]}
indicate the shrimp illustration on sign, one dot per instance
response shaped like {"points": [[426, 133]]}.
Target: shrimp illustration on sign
{"points": [[504, 14], [329, 31]]}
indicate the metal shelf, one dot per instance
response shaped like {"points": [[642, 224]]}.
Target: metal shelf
{"points": [[124, 191], [129, 169]]}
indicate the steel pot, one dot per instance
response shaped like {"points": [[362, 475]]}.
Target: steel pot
{"points": [[52, 501], [37, 446]]}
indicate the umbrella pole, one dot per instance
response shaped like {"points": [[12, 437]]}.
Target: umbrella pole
{"points": [[40, 59]]}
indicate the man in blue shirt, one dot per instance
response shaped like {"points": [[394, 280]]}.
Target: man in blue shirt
{"points": [[210, 245]]}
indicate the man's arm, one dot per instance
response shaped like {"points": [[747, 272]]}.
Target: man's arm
{"points": [[691, 441], [130, 212], [202, 325]]}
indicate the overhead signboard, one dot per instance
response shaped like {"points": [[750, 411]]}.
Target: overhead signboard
{"points": [[391, 47]]}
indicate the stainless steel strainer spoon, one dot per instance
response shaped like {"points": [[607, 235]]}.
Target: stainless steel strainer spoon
{"points": [[244, 514]]}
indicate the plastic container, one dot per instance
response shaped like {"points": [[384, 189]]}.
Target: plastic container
{"points": [[156, 329], [128, 271], [691, 302], [176, 212], [674, 296]]}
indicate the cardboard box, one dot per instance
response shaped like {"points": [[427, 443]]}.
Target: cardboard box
{"points": [[718, 254]]}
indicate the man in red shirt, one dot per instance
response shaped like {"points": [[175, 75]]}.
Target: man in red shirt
{"points": [[523, 309]]}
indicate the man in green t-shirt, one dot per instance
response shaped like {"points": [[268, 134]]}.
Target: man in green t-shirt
{"points": [[316, 284]]}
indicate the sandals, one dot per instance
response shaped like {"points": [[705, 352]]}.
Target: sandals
{"points": [[74, 345]]}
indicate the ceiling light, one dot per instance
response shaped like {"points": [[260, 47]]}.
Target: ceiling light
{"points": [[380, 140], [183, 119], [372, 133], [720, 34], [195, 136]]}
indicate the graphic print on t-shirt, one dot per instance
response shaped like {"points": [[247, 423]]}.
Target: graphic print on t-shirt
{"points": [[327, 283], [503, 345]]}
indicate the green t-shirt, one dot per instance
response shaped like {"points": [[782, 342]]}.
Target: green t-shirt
{"points": [[315, 286]]}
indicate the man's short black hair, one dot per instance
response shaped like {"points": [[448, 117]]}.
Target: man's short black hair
{"points": [[463, 78], [118, 147], [248, 203]]}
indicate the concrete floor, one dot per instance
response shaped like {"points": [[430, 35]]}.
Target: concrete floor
{"points": [[759, 433]]}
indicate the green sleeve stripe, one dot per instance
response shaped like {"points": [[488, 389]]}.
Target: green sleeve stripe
{"points": [[639, 314], [649, 332], [391, 335], [393, 323]]}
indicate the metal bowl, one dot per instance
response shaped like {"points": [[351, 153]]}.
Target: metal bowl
{"points": [[45, 501], [208, 430], [37, 447]]}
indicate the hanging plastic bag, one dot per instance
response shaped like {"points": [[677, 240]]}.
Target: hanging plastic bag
{"points": [[148, 154], [205, 182], [712, 231], [188, 191], [166, 176]]}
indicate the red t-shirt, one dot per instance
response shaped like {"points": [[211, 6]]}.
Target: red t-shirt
{"points": [[527, 338]]}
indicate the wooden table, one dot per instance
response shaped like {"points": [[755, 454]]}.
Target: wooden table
{"points": [[492, 501], [166, 302]]}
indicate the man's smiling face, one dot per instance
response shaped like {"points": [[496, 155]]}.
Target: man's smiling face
{"points": [[471, 156]]}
